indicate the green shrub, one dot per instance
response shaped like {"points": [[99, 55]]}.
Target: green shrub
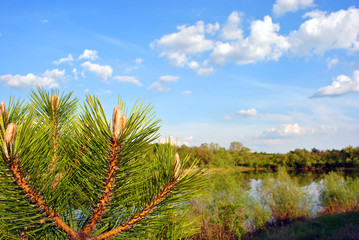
{"points": [[339, 194], [285, 199], [222, 211]]}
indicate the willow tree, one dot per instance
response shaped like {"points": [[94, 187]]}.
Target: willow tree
{"points": [[66, 172]]}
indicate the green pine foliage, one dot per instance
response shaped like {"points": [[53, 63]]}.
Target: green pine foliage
{"points": [[67, 172]]}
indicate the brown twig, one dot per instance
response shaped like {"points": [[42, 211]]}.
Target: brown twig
{"points": [[40, 202], [107, 192], [13, 163], [139, 216]]}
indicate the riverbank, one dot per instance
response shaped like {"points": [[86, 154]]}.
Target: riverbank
{"points": [[337, 226], [239, 205]]}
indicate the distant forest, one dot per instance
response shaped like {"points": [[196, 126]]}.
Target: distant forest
{"points": [[213, 155]]}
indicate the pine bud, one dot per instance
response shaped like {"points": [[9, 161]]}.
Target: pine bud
{"points": [[116, 123], [177, 165], [124, 122], [2, 107], [9, 138], [10, 133], [54, 100]]}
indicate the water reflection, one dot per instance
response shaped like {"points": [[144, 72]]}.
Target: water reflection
{"points": [[310, 181]]}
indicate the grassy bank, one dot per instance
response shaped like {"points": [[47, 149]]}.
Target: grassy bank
{"points": [[337, 226]]}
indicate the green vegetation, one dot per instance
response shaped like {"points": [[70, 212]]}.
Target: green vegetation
{"points": [[229, 211], [285, 199], [66, 172], [212, 155], [327, 227], [221, 211], [338, 194]]}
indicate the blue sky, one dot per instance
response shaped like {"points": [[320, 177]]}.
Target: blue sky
{"points": [[274, 75]]}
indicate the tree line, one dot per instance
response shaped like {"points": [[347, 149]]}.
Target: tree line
{"points": [[213, 155]]}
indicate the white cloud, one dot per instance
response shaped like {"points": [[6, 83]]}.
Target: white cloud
{"points": [[321, 32], [212, 28], [193, 64], [263, 43], [138, 62], [175, 141], [203, 71], [341, 85], [189, 40], [74, 71], [285, 130], [48, 79], [324, 32], [281, 7], [103, 72], [187, 92], [159, 87], [89, 54], [188, 138], [186, 141], [230, 30], [171, 140], [169, 78], [227, 117], [128, 79], [247, 113], [162, 85], [331, 62], [69, 58]]}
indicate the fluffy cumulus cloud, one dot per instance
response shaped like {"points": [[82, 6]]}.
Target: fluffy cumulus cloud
{"points": [[189, 41], [285, 130], [49, 78], [263, 43], [103, 72], [248, 112], [89, 54], [162, 84], [323, 32], [281, 7], [231, 30], [128, 79], [187, 92], [69, 58], [341, 85], [202, 47]]}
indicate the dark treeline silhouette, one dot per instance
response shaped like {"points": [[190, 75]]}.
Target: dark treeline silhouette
{"points": [[213, 155]]}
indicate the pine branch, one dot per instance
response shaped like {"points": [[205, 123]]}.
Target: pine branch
{"points": [[118, 127], [107, 192], [141, 215], [116, 172], [54, 101], [25, 186]]}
